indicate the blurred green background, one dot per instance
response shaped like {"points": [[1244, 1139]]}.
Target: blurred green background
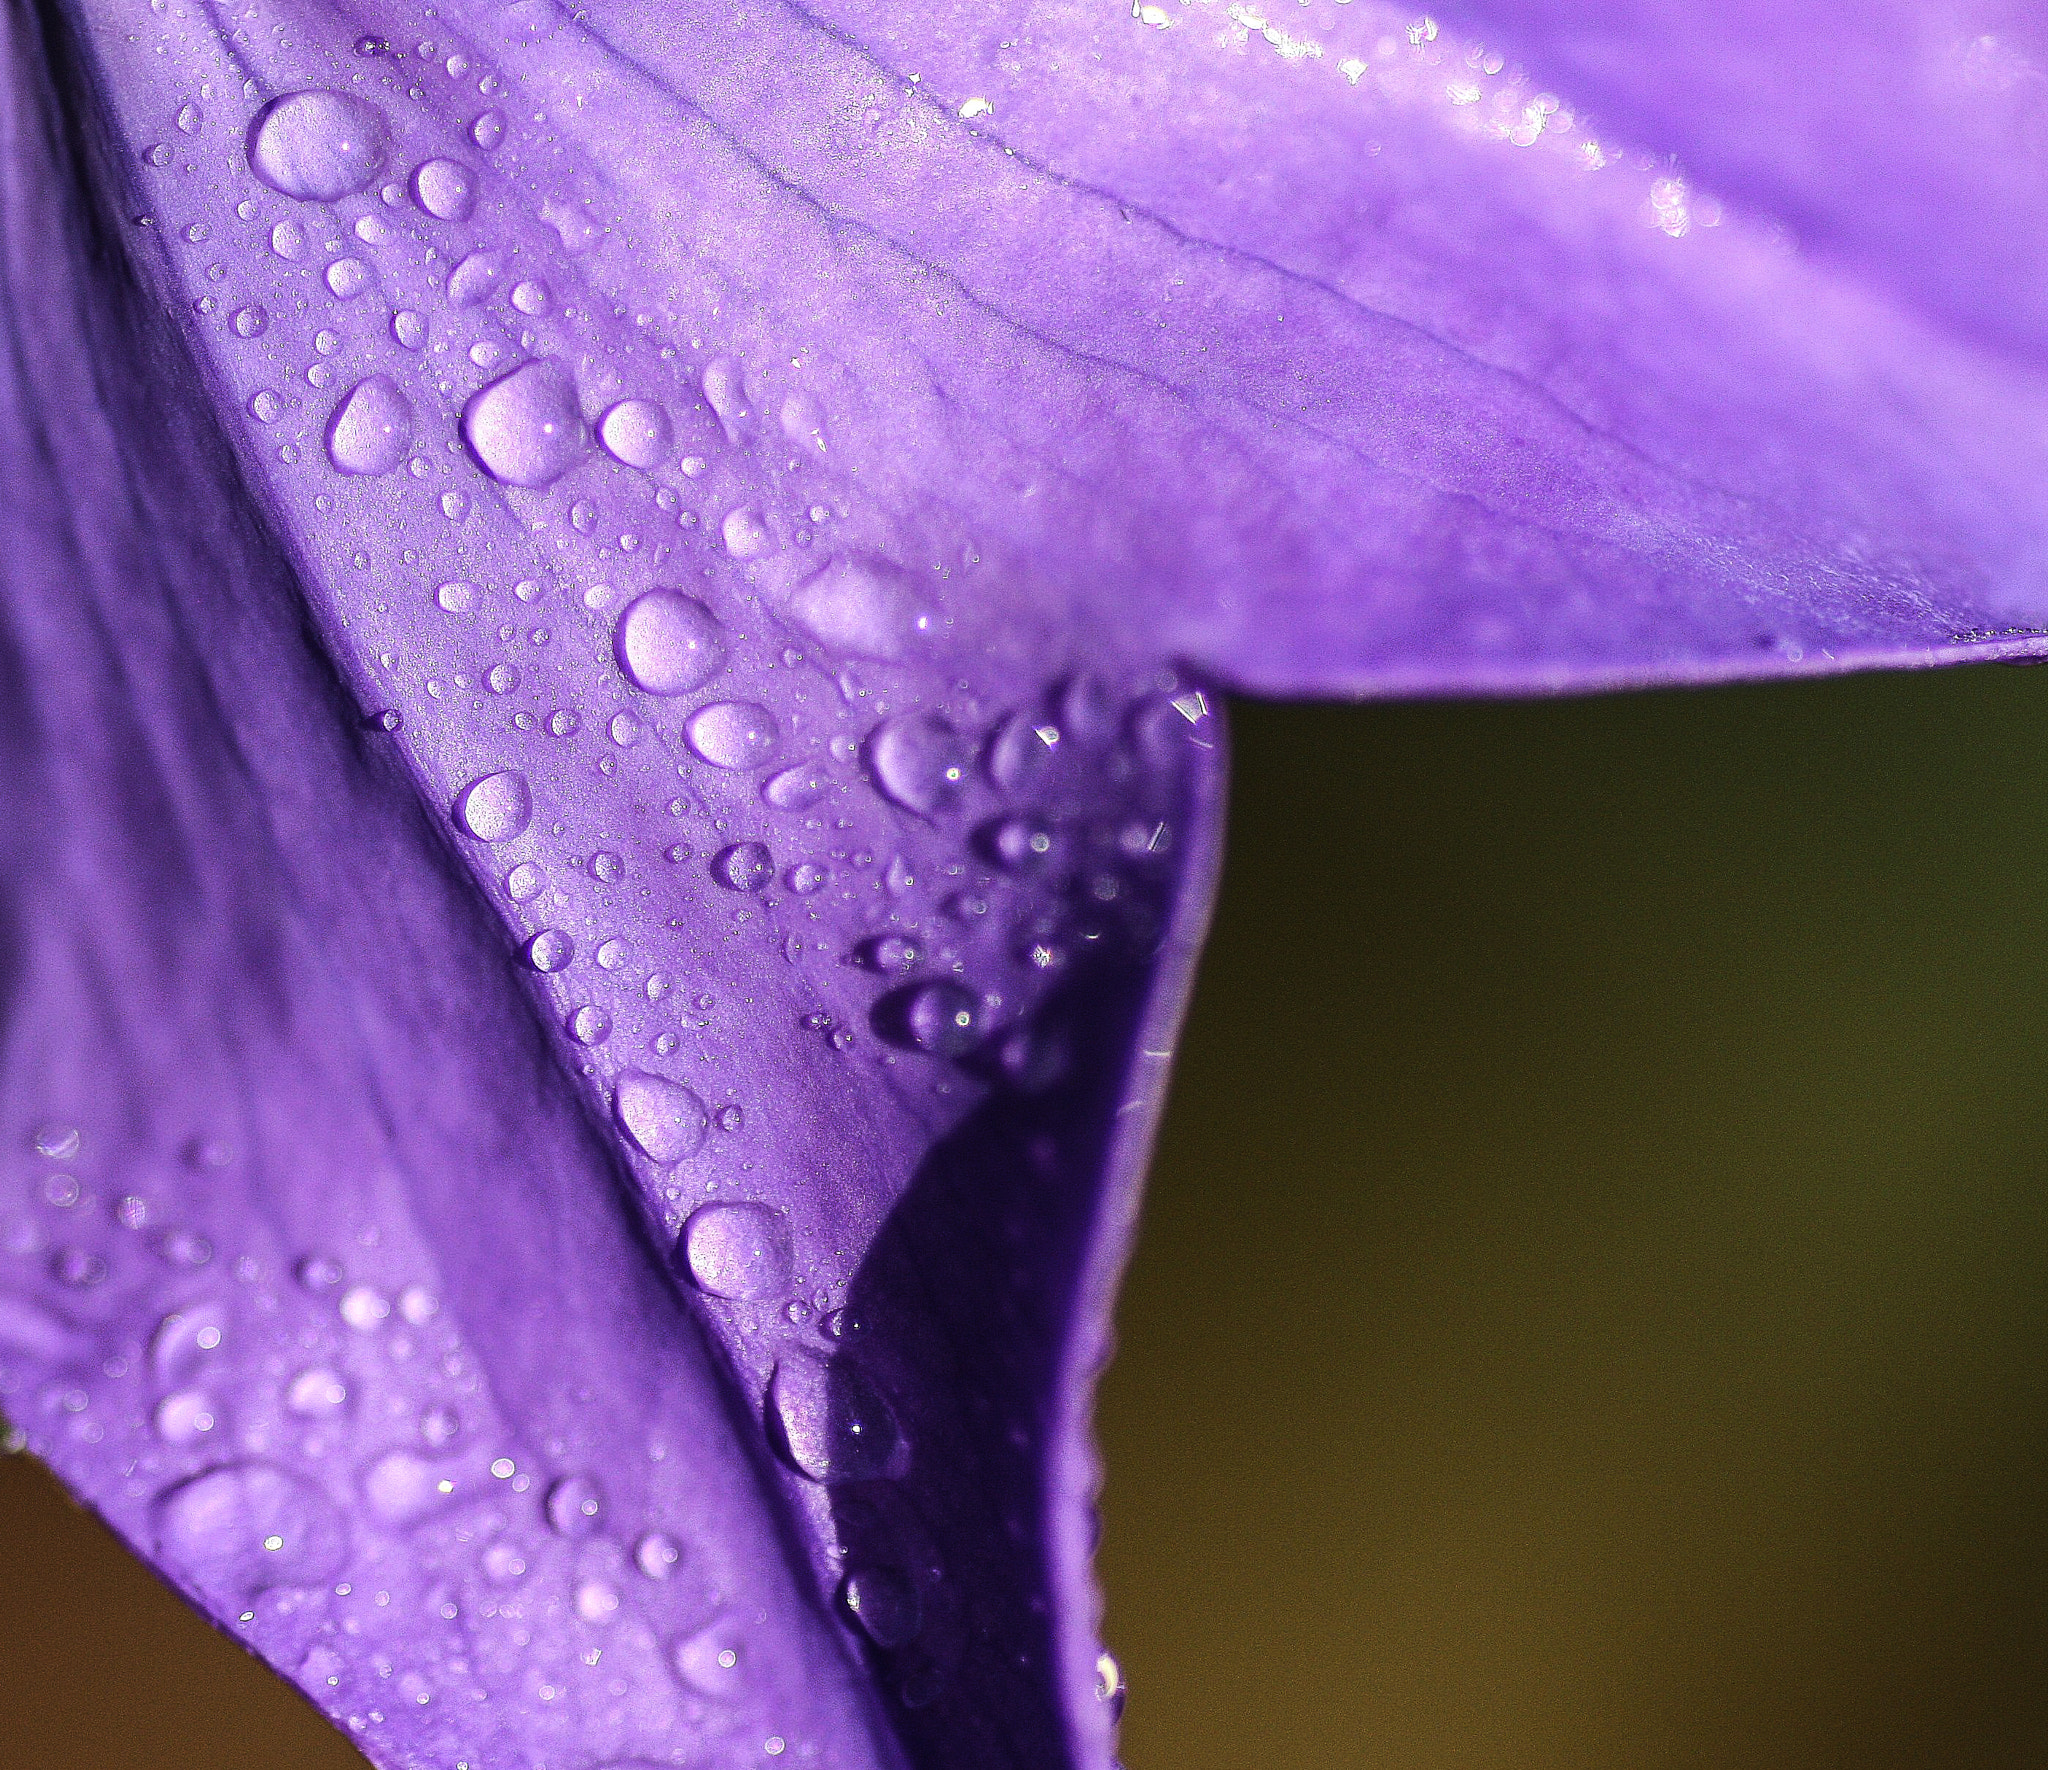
{"points": [[1593, 1307]]}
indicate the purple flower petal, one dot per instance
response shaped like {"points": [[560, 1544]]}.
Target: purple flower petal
{"points": [[589, 1044]]}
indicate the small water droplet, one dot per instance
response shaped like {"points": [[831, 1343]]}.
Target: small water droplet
{"points": [[734, 734], [409, 328], [318, 146], [347, 278], [607, 867], [445, 189], [829, 1420], [596, 1602], [666, 1120], [612, 955], [656, 1555], [474, 278], [884, 1603], [590, 1025], [488, 130], [265, 407], [797, 787], [78, 1268], [190, 119], [550, 950], [1110, 1689], [503, 1562], [314, 1394], [574, 1505], [403, 1488], [941, 1017], [525, 429], [740, 1251], [525, 882], [709, 1661], [919, 761], [668, 643], [495, 807], [745, 866], [371, 428], [530, 297], [637, 432], [626, 729], [1017, 844], [250, 322], [807, 878], [746, 533], [58, 1143], [288, 240], [249, 1528], [364, 1308], [456, 597], [184, 1337]]}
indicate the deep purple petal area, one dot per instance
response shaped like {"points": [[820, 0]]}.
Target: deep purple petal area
{"points": [[618, 840]]}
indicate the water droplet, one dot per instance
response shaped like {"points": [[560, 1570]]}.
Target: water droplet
{"points": [[745, 866], [288, 240], [347, 278], [525, 882], [371, 429], [889, 952], [456, 597], [861, 607], [473, 279], [318, 146], [733, 734], [919, 761], [941, 1016], [626, 729], [607, 867], [409, 328], [315, 1393], [807, 878], [1017, 844], [58, 1143], [637, 432], [504, 1563], [79, 1268], [403, 1488], [1109, 1683], [725, 387], [665, 1119], [488, 130], [612, 955], [524, 428], [590, 1025], [190, 119], [884, 1603], [596, 1602], [185, 1418], [530, 297], [709, 1661], [656, 1555], [364, 1308], [574, 1506], [797, 787], [501, 679], [1019, 751], [440, 1426], [828, 1420], [550, 950], [669, 643], [564, 722], [496, 807], [250, 322], [184, 1336], [739, 1251], [746, 533], [249, 1528], [445, 189]]}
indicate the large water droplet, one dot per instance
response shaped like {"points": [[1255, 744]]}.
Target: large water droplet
{"points": [[669, 643], [551, 950], [828, 1419], [248, 1528], [371, 429], [318, 146], [524, 428], [574, 1506], [884, 1603], [734, 734], [637, 432], [709, 1660], [919, 761], [738, 1250], [445, 189], [664, 1118], [942, 1017], [496, 807], [861, 607]]}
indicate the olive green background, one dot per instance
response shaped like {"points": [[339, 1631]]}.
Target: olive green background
{"points": [[1593, 1307]]}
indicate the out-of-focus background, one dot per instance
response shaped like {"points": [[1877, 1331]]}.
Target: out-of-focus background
{"points": [[1593, 1308]]}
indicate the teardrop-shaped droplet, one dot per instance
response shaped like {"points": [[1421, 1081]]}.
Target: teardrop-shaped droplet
{"points": [[318, 146], [371, 429], [184, 1337], [473, 279], [496, 807], [665, 1119], [525, 428], [828, 1419], [656, 1554], [919, 761], [445, 189], [734, 734], [637, 432], [669, 643], [797, 787], [738, 1250], [1019, 750], [884, 1603], [250, 1527], [315, 1393], [860, 607]]}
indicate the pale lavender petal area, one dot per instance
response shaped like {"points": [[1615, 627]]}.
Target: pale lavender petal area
{"points": [[619, 837]]}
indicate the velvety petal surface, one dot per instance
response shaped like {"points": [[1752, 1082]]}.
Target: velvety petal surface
{"points": [[646, 782]]}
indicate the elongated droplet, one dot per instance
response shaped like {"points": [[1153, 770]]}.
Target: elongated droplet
{"points": [[445, 189], [318, 146], [734, 734], [473, 279], [738, 1250], [669, 643], [919, 761], [664, 1118], [828, 1419], [801, 785], [371, 429], [250, 1527], [524, 428], [637, 432], [496, 807], [863, 608]]}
